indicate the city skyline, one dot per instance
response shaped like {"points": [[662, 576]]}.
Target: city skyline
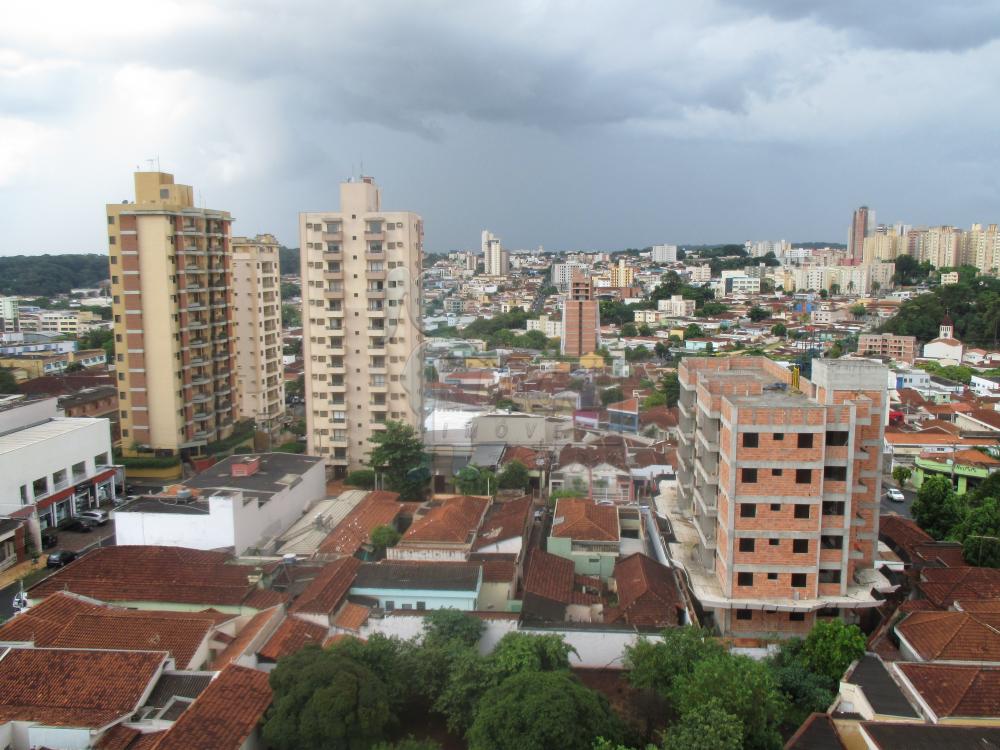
{"points": [[567, 115]]}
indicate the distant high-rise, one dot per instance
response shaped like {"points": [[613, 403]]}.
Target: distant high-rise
{"points": [[496, 260], [9, 315], [360, 309], [171, 277], [862, 225], [581, 318], [664, 253], [257, 317]]}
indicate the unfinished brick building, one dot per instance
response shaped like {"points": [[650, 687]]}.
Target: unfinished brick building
{"points": [[776, 514]]}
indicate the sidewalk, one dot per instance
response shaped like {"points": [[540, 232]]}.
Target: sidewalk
{"points": [[19, 571]]}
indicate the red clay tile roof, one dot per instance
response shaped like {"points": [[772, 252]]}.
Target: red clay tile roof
{"points": [[119, 737], [946, 585], [948, 554], [580, 518], [956, 691], [504, 521], [225, 715], [154, 574], [290, 636], [238, 646], [593, 455], [328, 589], [352, 616], [629, 405], [550, 577], [499, 571], [647, 591], [63, 620], [453, 520], [663, 417], [74, 688], [952, 636], [376, 509], [527, 456], [902, 533]]}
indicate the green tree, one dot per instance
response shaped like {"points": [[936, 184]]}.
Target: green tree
{"points": [[8, 384], [982, 551], [981, 520], [708, 726], [522, 652], [291, 316], [758, 314], [514, 476], [290, 290], [657, 665], [324, 700], [474, 480], [779, 329], [936, 508], [384, 537], [831, 646], [823, 293], [901, 474], [670, 387], [431, 374], [540, 711], [693, 331], [363, 478], [409, 743], [645, 330], [399, 456], [834, 289], [629, 329], [612, 395], [451, 625], [469, 679], [746, 688], [506, 404], [858, 311], [654, 399]]}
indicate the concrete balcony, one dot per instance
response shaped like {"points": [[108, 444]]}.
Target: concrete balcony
{"points": [[375, 236], [333, 236], [333, 255], [375, 275], [333, 275], [337, 351], [375, 293]]}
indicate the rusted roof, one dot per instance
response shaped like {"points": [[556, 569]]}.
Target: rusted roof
{"points": [[352, 616], [956, 691], [327, 590], [952, 636], [506, 520], [582, 519], [452, 520], [647, 592], [290, 636], [549, 576], [376, 509], [946, 585]]}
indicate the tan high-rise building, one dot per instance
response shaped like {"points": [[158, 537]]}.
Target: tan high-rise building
{"points": [[496, 260], [981, 248], [257, 317], [360, 311], [581, 319], [171, 281], [778, 491], [621, 275]]}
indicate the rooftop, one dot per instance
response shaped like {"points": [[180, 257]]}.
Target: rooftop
{"points": [[328, 589], [882, 693], [582, 519], [40, 433], [290, 636], [956, 691], [305, 535], [450, 520], [432, 576], [893, 736], [550, 577], [354, 530], [952, 636], [647, 592], [277, 472], [74, 688]]}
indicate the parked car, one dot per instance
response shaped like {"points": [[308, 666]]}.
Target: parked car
{"points": [[58, 559], [78, 524], [895, 495], [49, 540], [96, 516], [20, 602]]}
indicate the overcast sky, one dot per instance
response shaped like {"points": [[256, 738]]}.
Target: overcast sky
{"points": [[565, 124]]}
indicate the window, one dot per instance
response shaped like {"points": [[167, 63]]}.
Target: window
{"points": [[779, 436], [774, 542], [746, 544], [772, 576], [828, 612], [832, 542], [24, 494], [750, 439], [833, 508], [798, 580], [407, 606], [775, 507], [802, 511], [40, 486], [748, 510], [164, 193], [805, 440], [59, 479], [835, 473], [744, 579], [748, 476], [744, 614], [837, 437], [111, 220], [389, 605], [777, 472], [421, 606], [800, 546], [829, 576], [803, 476], [796, 616]]}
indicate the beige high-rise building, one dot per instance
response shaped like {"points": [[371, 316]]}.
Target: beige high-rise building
{"points": [[981, 248], [360, 311], [941, 246], [171, 278], [257, 317], [496, 260], [621, 275], [884, 246]]}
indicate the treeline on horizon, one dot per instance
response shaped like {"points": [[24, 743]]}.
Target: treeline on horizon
{"points": [[46, 275]]}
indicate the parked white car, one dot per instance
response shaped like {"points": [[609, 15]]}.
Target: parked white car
{"points": [[895, 495], [96, 516]]}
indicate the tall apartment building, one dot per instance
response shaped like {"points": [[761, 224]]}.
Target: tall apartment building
{"points": [[360, 311], [898, 348], [496, 260], [171, 278], [862, 225], [776, 517], [581, 318], [9, 315], [664, 253], [621, 275], [257, 320], [562, 273], [981, 248]]}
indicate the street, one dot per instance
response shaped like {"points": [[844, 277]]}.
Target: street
{"points": [[901, 509]]}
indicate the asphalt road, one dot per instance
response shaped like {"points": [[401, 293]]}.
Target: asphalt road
{"points": [[901, 509]]}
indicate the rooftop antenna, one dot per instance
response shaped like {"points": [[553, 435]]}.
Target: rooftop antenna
{"points": [[150, 162]]}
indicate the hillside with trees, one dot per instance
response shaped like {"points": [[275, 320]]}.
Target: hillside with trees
{"points": [[48, 275], [288, 260], [972, 304]]}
